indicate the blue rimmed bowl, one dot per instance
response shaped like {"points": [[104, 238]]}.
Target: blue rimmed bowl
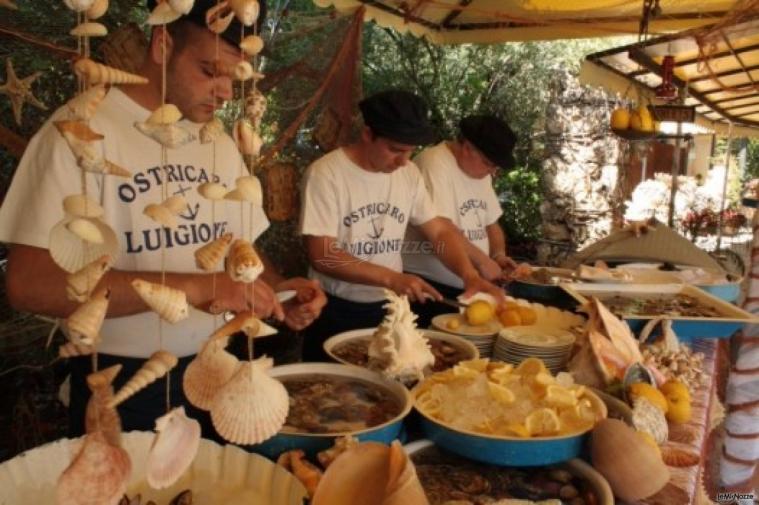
{"points": [[312, 443]]}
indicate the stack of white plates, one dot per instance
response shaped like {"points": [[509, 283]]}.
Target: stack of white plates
{"points": [[552, 345], [482, 337]]}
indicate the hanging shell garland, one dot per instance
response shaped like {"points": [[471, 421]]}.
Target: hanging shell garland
{"points": [[158, 365], [247, 189], [169, 303], [208, 372], [171, 136], [81, 283], [97, 73], [246, 10], [208, 256], [219, 17], [163, 14], [97, 9], [166, 212], [85, 322], [252, 45], [242, 262], [84, 105], [81, 140], [89, 29], [165, 114], [212, 190]]}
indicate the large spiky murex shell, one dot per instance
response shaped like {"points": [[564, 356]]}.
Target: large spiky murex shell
{"points": [[208, 256], [208, 372], [252, 406], [81, 283], [84, 323], [169, 303], [174, 447], [158, 365], [98, 415]]}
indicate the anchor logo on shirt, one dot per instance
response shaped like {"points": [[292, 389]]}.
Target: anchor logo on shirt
{"points": [[477, 218], [191, 212], [378, 231]]}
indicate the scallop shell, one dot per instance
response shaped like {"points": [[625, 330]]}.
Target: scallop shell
{"points": [[219, 17], [212, 190], [672, 456], [252, 45], [162, 14], [158, 365], [98, 416], [182, 6], [97, 9], [174, 447], [208, 372], [81, 206], [80, 284], [85, 229], [246, 10], [84, 323], [208, 256], [97, 73], [252, 406], [71, 254], [165, 114], [72, 350], [168, 135], [98, 474], [247, 139], [242, 262], [89, 29], [211, 131], [78, 5], [169, 303]]}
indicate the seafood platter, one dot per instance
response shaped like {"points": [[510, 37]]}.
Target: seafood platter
{"points": [[693, 312]]}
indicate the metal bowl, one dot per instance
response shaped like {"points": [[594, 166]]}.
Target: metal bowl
{"points": [[312, 443]]}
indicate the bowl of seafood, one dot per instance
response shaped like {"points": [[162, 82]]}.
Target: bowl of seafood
{"points": [[507, 415], [352, 348], [447, 477], [329, 400], [218, 474]]}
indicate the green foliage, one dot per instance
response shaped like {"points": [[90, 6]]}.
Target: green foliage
{"points": [[752, 159], [520, 196]]}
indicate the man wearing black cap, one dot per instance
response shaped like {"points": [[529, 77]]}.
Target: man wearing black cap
{"points": [[48, 172], [458, 175], [357, 203]]}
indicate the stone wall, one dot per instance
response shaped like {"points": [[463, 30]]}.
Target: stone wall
{"points": [[581, 180]]}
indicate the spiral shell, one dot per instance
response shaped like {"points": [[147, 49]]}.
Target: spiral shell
{"points": [[242, 262], [85, 322], [169, 303], [81, 206], [97, 9], [98, 416], [97, 73], [165, 114], [89, 29], [162, 14], [245, 321], [80, 284], [158, 365], [208, 256], [252, 45], [208, 372], [84, 105], [212, 190]]}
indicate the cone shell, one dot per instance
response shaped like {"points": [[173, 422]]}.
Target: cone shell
{"points": [[80, 284], [211, 130], [242, 262], [78, 5], [182, 6], [260, 330], [219, 17], [168, 135], [84, 105], [89, 29], [97, 9], [247, 139], [165, 114], [82, 206], [163, 14], [98, 474], [98, 416], [158, 365], [71, 254], [208, 372], [252, 45], [252, 406], [160, 215], [86, 230], [85, 322], [174, 448], [208, 256], [246, 10], [72, 350], [212, 190], [97, 73], [242, 320], [169, 303]]}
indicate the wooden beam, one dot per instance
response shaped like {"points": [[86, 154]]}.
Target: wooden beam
{"points": [[66, 52], [12, 142], [446, 23], [724, 74]]}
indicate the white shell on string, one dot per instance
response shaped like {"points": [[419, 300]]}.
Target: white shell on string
{"points": [[250, 186], [212, 190], [85, 229], [89, 29], [247, 139], [182, 6], [80, 284], [97, 9], [163, 14], [81, 206], [83, 105], [168, 135], [208, 372], [246, 10], [83, 325], [211, 130], [165, 114], [71, 253], [78, 5], [219, 17], [252, 45]]}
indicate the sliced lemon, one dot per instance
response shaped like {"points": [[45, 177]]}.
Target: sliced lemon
{"points": [[519, 430], [501, 394], [558, 396], [542, 422], [531, 366]]}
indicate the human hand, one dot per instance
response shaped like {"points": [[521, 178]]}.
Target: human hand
{"points": [[490, 269], [505, 262], [237, 297], [414, 287], [307, 304], [476, 284]]}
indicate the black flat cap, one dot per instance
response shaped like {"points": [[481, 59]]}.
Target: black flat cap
{"points": [[398, 115], [232, 34], [491, 136]]}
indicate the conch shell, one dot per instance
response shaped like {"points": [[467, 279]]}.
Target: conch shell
{"points": [[80, 284], [98, 474], [212, 190], [245, 10], [242, 262], [85, 322], [252, 406], [97, 9], [169, 303], [166, 212], [98, 416], [247, 189], [211, 130], [246, 322], [219, 17], [371, 474], [165, 114], [89, 29], [210, 254], [252, 45], [173, 449], [168, 135], [81, 206], [208, 372], [97, 73], [158, 365], [162, 14], [247, 139]]}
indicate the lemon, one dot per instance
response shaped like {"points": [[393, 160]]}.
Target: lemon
{"points": [[516, 429], [527, 315], [542, 422], [678, 401], [620, 119], [510, 317], [531, 366], [558, 396], [479, 312], [648, 392], [453, 323], [501, 394]]}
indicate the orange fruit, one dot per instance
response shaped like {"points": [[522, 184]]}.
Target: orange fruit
{"points": [[510, 317], [527, 315], [620, 119]]}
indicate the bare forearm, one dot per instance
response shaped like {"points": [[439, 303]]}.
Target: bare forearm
{"points": [[496, 239], [453, 253]]}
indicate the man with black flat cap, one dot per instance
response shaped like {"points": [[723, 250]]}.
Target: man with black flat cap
{"points": [[48, 172], [458, 176], [357, 203]]}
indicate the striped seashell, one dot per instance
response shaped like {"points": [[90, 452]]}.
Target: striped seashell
{"points": [[246, 10], [165, 114], [81, 283], [163, 14], [247, 139], [182, 6], [169, 303], [208, 372], [174, 448], [86, 230], [212, 190], [89, 29], [157, 366], [78, 5], [84, 105], [97, 9], [252, 45], [252, 406], [98, 416], [208, 256], [168, 135], [219, 17], [82, 206], [242, 262], [72, 350], [672, 456], [211, 131], [97, 73], [84, 323]]}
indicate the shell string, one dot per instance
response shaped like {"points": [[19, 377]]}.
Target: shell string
{"points": [[213, 163], [164, 197]]}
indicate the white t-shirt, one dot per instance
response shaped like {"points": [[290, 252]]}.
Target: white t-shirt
{"points": [[367, 212], [48, 172], [470, 203]]}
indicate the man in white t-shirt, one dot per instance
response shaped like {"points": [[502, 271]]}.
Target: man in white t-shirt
{"points": [[459, 177], [48, 172], [357, 202]]}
